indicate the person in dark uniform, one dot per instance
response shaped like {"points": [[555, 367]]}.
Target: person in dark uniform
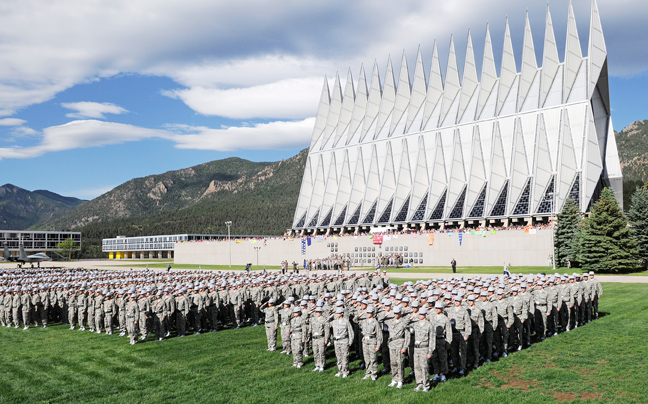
{"points": [[454, 266]]}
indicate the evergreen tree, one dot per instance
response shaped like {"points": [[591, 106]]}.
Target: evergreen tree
{"points": [[605, 242], [638, 218], [565, 234]]}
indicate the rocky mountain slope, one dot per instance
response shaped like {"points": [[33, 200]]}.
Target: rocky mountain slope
{"points": [[20, 208]]}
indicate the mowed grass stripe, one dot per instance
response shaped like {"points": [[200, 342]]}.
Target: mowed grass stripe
{"points": [[601, 362]]}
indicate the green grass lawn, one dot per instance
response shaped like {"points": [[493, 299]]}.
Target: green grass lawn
{"points": [[604, 361]]}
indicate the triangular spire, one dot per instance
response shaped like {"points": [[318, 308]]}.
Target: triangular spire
{"points": [[597, 49], [498, 169], [344, 186], [317, 194], [435, 89], [404, 182], [418, 91], [529, 65], [592, 164], [333, 114], [573, 54], [359, 108], [403, 94], [330, 192], [373, 103], [452, 84], [508, 70], [304, 193], [421, 181], [519, 167], [386, 103], [477, 171], [348, 102], [372, 188], [550, 59], [387, 184], [567, 167], [438, 179], [457, 173], [470, 81], [357, 187], [322, 113], [488, 73], [543, 171]]}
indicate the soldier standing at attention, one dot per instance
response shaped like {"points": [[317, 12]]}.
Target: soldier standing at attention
{"points": [[453, 263], [461, 330], [343, 338], [82, 308], [398, 342], [144, 308], [7, 307], [91, 309], [477, 324], [286, 313], [197, 307], [98, 316], [371, 342], [489, 310], [598, 292], [120, 303], [424, 345], [443, 333], [71, 307], [132, 315], [182, 306], [212, 307], [542, 310], [319, 330], [43, 309], [109, 310], [504, 322], [529, 302], [298, 333], [271, 321], [170, 308], [159, 314], [15, 307]]}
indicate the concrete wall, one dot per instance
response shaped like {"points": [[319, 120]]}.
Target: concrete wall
{"points": [[510, 246]]}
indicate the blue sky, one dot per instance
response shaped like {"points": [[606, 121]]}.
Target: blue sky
{"points": [[94, 94]]}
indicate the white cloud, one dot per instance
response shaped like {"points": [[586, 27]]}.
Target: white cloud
{"points": [[81, 134], [288, 99], [11, 122], [220, 44], [263, 136], [92, 133], [88, 109]]}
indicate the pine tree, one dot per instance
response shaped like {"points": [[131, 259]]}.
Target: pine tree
{"points": [[638, 218], [565, 234], [605, 242]]}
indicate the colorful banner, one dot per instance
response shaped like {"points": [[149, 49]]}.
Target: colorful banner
{"points": [[431, 239], [378, 239], [308, 241], [303, 246], [460, 237]]}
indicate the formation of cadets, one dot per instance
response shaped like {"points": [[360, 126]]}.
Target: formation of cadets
{"points": [[440, 327]]}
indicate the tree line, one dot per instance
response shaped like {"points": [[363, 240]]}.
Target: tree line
{"points": [[606, 240]]}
